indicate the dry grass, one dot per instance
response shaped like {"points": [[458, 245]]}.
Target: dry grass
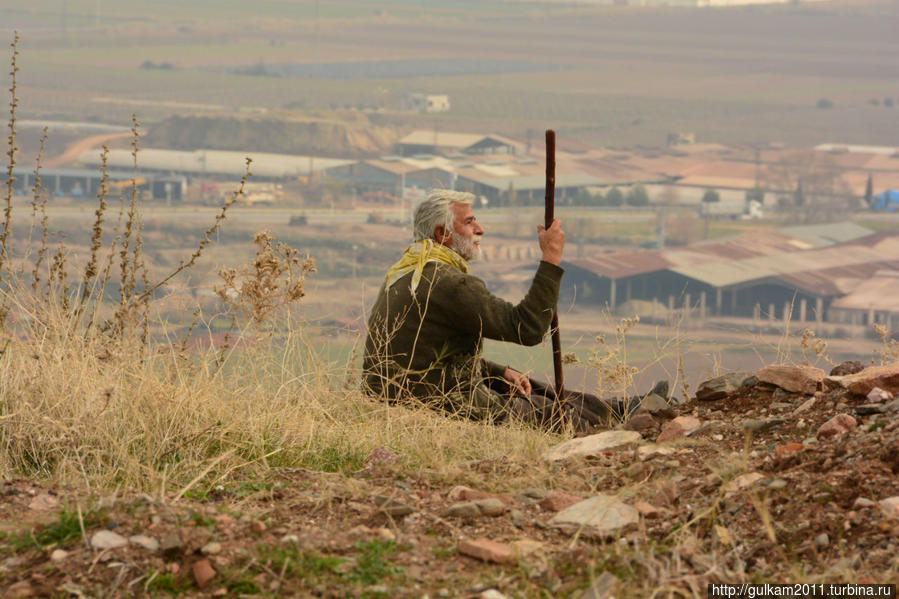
{"points": [[100, 392]]}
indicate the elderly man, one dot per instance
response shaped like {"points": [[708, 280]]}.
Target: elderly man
{"points": [[426, 329]]}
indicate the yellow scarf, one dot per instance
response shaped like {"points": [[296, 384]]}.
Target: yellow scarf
{"points": [[417, 255]]}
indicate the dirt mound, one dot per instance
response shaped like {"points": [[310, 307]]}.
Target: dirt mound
{"points": [[272, 134], [759, 485]]}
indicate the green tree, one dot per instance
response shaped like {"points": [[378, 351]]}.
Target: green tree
{"points": [[614, 197], [711, 196], [637, 196], [756, 193]]}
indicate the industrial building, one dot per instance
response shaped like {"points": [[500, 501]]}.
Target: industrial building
{"points": [[796, 272], [83, 182]]}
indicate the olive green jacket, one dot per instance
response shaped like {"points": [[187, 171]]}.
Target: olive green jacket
{"points": [[427, 344]]}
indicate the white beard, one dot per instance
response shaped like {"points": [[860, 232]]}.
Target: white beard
{"points": [[467, 247]]}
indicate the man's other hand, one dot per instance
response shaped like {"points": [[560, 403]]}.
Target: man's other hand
{"points": [[519, 383], [552, 242]]}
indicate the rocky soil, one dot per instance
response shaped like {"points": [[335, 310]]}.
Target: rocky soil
{"points": [[787, 474]]}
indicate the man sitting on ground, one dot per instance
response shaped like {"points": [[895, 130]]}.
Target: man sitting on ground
{"points": [[426, 329]]}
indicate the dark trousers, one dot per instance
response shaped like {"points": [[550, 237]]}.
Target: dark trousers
{"points": [[582, 411]]}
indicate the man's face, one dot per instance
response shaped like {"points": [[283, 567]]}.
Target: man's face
{"points": [[467, 232]]}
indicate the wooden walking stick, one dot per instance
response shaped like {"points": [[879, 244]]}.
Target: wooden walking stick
{"points": [[550, 208]]}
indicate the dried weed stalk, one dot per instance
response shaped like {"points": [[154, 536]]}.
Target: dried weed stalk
{"points": [[810, 345], [889, 347], [274, 280], [614, 376]]}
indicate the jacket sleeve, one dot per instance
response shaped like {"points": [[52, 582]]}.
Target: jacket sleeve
{"points": [[480, 312]]}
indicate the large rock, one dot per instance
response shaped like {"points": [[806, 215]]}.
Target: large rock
{"points": [[106, 539], [721, 386], [797, 379], [558, 501], [844, 368], [890, 507], [836, 426], [598, 516], [744, 481], [591, 445], [677, 428], [487, 550], [886, 377]]}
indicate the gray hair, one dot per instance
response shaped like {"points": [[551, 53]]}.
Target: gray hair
{"points": [[435, 211]]}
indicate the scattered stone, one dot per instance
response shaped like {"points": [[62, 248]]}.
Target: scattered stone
{"points": [[379, 458], [490, 507], [831, 383], [645, 452], [821, 541], [591, 445], [666, 494], [890, 506], [20, 590], [258, 526], [203, 572], [603, 588], [517, 517], [720, 386], [170, 544], [558, 501], [863, 502], [781, 395], [106, 539], [491, 594], [677, 428], [788, 449], [598, 516], [848, 367], [776, 484], [465, 509], [885, 377], [525, 547], [805, 406], [869, 409], [212, 548], [836, 426], [781, 405], [535, 493], [290, 539], [647, 510], [654, 404], [144, 541], [723, 535], [878, 395], [486, 550], [761, 426], [743, 481], [43, 502], [462, 493], [642, 421], [798, 379], [385, 534], [391, 507], [58, 555]]}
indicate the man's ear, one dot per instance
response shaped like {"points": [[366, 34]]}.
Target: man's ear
{"points": [[441, 235]]}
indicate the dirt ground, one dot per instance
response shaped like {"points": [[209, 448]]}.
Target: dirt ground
{"points": [[810, 513]]}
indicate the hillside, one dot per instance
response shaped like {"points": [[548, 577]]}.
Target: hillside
{"points": [[353, 138], [784, 475]]}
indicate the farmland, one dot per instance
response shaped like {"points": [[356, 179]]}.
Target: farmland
{"points": [[610, 76]]}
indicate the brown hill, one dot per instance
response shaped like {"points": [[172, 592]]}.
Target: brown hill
{"points": [[273, 134]]}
